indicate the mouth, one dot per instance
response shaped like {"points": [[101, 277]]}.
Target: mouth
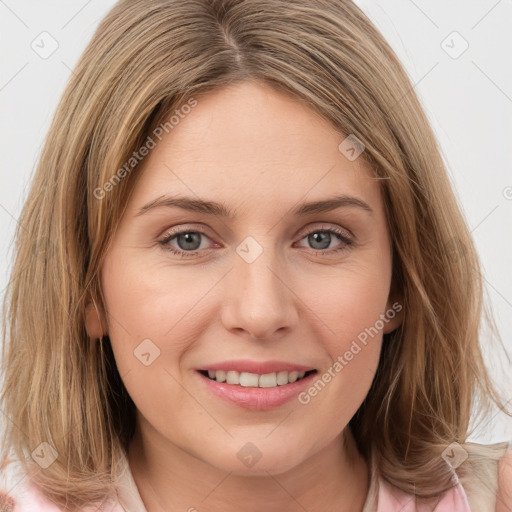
{"points": [[255, 385], [255, 391], [255, 380]]}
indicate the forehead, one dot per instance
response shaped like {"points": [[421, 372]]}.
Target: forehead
{"points": [[253, 144]]}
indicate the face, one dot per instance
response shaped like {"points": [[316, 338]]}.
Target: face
{"points": [[269, 290]]}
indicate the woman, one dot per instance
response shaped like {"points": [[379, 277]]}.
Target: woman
{"points": [[253, 366]]}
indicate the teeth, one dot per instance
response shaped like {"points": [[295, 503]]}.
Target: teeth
{"points": [[293, 376], [221, 375], [282, 378], [269, 380], [253, 380], [233, 377]]}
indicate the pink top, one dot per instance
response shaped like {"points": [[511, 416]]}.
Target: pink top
{"points": [[18, 494], [392, 499]]}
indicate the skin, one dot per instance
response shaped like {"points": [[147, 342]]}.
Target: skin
{"points": [[261, 153]]}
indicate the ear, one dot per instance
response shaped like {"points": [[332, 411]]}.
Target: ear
{"points": [[95, 320], [394, 310], [394, 316]]}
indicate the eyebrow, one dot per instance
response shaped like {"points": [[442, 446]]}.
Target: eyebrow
{"points": [[213, 208]]}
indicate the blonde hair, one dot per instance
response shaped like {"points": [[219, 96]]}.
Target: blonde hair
{"points": [[148, 59]]}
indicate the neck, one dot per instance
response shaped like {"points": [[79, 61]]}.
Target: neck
{"points": [[170, 479]]}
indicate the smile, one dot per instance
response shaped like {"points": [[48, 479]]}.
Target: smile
{"points": [[253, 391], [255, 380]]}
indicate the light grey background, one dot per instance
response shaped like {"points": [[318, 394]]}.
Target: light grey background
{"points": [[467, 96]]}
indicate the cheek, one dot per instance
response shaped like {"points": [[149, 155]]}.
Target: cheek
{"points": [[351, 301], [354, 341], [351, 306], [143, 311], [145, 301], [351, 335], [152, 323]]}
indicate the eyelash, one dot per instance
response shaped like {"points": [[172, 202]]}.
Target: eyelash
{"points": [[346, 242]]}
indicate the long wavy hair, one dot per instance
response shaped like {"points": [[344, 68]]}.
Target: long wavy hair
{"points": [[145, 61]]}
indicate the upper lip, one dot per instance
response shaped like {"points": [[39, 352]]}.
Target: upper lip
{"points": [[259, 367]]}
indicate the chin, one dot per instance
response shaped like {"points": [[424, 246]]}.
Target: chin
{"points": [[253, 459]]}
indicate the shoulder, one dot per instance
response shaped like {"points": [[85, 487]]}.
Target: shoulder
{"points": [[482, 482], [486, 476], [392, 499], [18, 494], [504, 495]]}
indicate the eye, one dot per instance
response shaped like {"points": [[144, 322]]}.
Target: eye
{"points": [[320, 239], [189, 242]]}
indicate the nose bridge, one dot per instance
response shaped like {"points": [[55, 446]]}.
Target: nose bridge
{"points": [[261, 302]]}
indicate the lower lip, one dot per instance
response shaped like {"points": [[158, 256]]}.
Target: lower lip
{"points": [[257, 399]]}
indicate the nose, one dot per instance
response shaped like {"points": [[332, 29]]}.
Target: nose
{"points": [[260, 300]]}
